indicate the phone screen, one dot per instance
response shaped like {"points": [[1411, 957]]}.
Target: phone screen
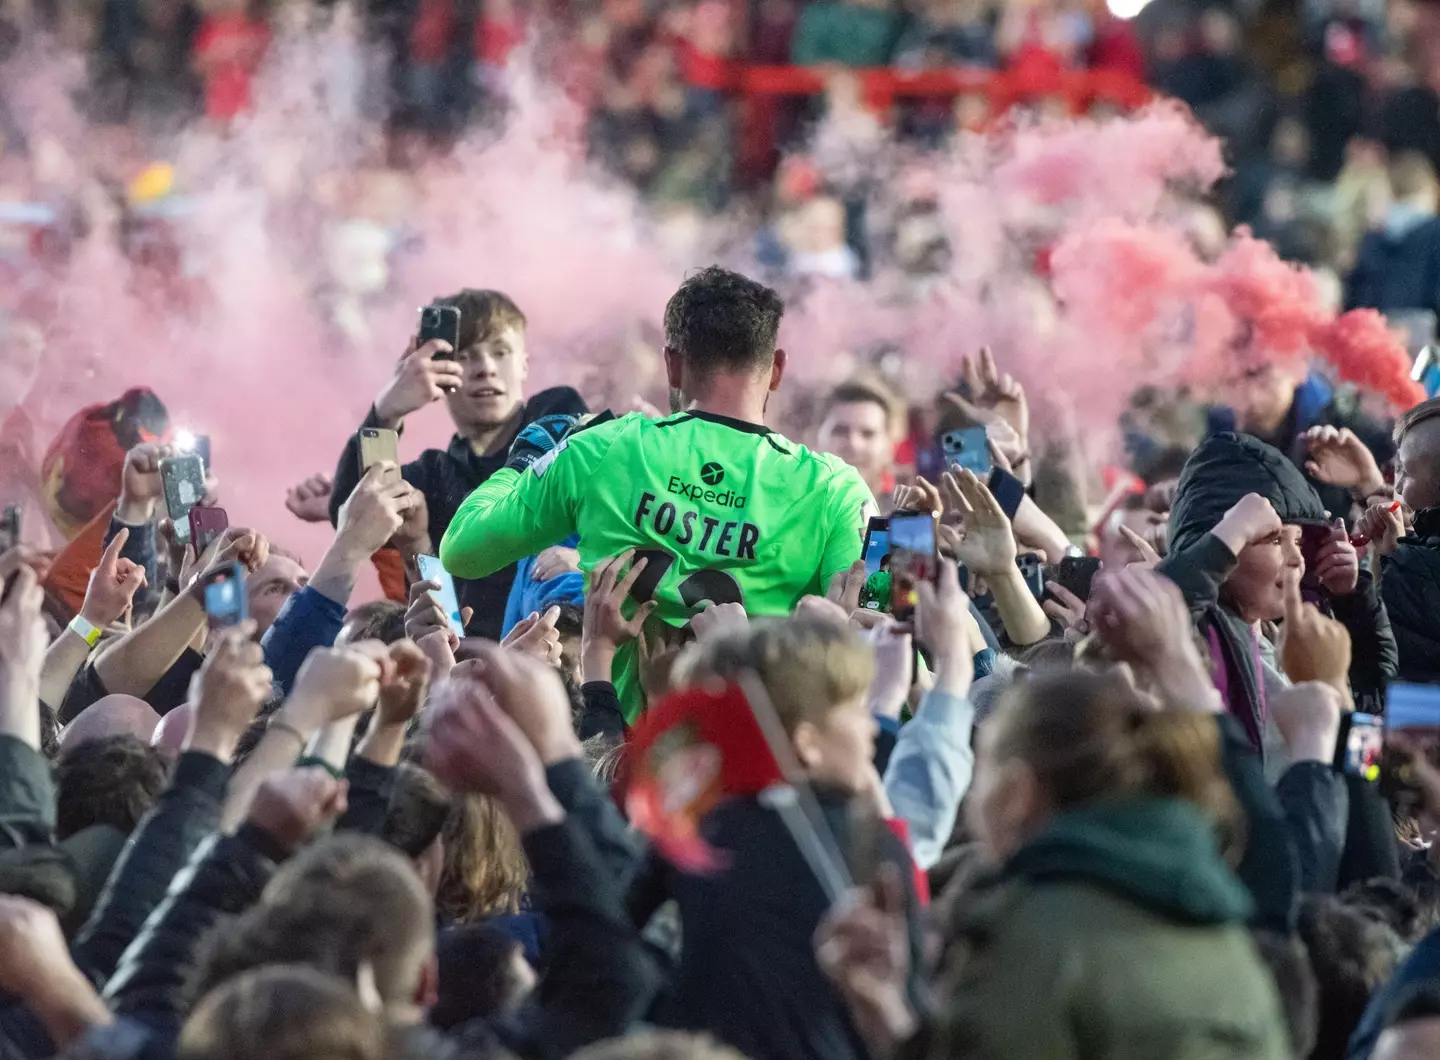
{"points": [[377, 444], [1412, 713], [875, 594], [10, 527], [202, 450], [226, 604], [1077, 574], [440, 322], [184, 480], [912, 561], [968, 447], [432, 570], [1364, 746]]}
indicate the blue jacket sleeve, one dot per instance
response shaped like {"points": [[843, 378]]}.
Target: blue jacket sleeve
{"points": [[515, 602], [309, 620], [528, 595], [929, 772]]}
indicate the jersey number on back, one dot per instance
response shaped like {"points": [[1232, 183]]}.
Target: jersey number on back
{"points": [[708, 583]]}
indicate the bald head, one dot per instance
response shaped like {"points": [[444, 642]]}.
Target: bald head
{"points": [[174, 729], [111, 716]]}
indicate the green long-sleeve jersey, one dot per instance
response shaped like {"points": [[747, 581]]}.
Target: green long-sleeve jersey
{"points": [[724, 510]]}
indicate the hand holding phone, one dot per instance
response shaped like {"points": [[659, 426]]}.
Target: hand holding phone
{"points": [[378, 444], [914, 559], [183, 478], [970, 448], [432, 570], [207, 524], [422, 376], [440, 323]]}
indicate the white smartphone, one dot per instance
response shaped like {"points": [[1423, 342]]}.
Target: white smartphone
{"points": [[432, 570]]}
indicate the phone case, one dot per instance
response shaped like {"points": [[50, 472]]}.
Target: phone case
{"points": [[206, 524], [183, 478], [440, 322], [377, 444], [432, 570]]}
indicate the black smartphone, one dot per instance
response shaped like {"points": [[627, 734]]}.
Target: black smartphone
{"points": [[1077, 574], [10, 527], [913, 559], [226, 604], [1007, 490], [1360, 747], [1412, 724], [202, 450], [183, 478], [968, 447], [440, 322]]}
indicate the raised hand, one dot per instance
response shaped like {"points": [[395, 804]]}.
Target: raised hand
{"points": [[993, 396], [334, 683], [228, 692], [555, 561], [310, 500], [535, 635], [418, 380], [1141, 617], [532, 695], [140, 485], [402, 689], [716, 620], [1339, 458], [920, 497], [1308, 716], [1384, 526], [943, 624], [376, 511], [424, 616], [36, 968], [291, 807], [844, 588], [988, 547], [1252, 519], [605, 626], [1337, 564], [113, 585], [1313, 647], [23, 640]]}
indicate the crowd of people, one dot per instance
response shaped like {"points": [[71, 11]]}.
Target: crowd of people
{"points": [[1121, 815]]}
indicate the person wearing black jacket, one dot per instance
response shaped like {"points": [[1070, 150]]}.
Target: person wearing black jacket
{"points": [[482, 385], [1410, 573], [1233, 581]]}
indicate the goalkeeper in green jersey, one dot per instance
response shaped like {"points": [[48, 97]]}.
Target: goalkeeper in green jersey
{"points": [[720, 507]]}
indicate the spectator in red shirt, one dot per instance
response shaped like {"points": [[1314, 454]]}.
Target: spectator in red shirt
{"points": [[228, 51]]}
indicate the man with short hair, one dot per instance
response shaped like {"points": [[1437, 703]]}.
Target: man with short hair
{"points": [[718, 507], [861, 427], [483, 387], [1410, 574]]}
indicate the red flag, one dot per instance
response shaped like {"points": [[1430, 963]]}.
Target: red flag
{"points": [[688, 752]]}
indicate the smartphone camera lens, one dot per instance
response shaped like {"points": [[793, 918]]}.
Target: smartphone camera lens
{"points": [[430, 317]]}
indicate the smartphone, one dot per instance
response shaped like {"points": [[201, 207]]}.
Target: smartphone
{"points": [[1362, 745], [226, 604], [377, 444], [202, 450], [1412, 712], [1426, 370], [1313, 537], [10, 527], [1032, 569], [877, 543], [913, 559], [440, 322], [432, 570], [206, 524], [183, 478], [1008, 491], [969, 447], [1077, 574]]}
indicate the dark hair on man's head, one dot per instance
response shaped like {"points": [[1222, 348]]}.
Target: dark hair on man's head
{"points": [[382, 620], [419, 805], [477, 978], [571, 620], [1295, 984], [1421, 413], [483, 314], [722, 322], [1420, 1002], [1351, 954], [110, 780], [865, 392]]}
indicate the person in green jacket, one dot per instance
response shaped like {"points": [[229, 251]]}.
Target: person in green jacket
{"points": [[1111, 928]]}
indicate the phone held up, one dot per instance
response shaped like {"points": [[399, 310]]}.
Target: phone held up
{"points": [[440, 322], [226, 604], [969, 447], [432, 570], [207, 524], [378, 444], [914, 558], [1411, 729], [10, 527], [183, 479]]}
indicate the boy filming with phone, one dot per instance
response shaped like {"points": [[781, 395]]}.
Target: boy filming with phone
{"points": [[482, 382]]}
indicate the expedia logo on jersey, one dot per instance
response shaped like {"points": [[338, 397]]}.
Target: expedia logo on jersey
{"points": [[711, 476]]}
